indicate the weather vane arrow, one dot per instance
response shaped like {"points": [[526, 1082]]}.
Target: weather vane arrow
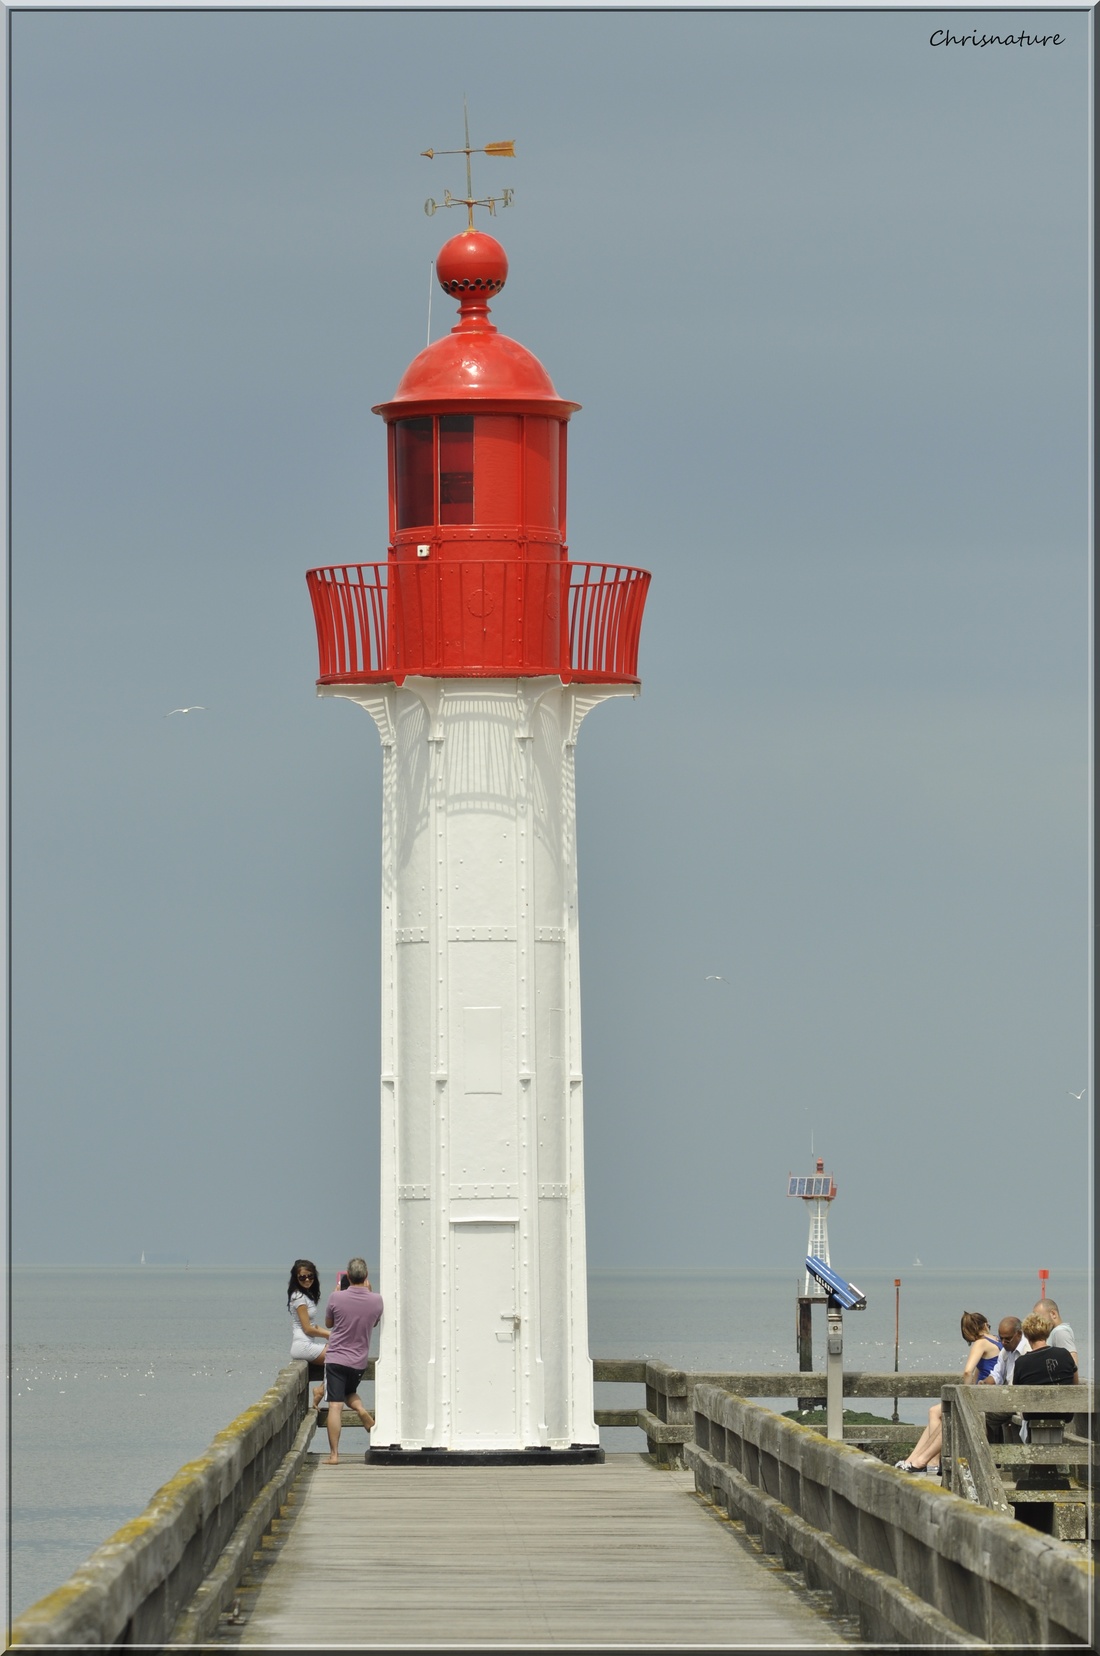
{"points": [[506, 148]]}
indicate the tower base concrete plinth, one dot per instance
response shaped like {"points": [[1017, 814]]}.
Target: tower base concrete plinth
{"points": [[580, 1454]]}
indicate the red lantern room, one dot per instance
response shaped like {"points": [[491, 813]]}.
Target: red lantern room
{"points": [[477, 582], [476, 431], [477, 480]]}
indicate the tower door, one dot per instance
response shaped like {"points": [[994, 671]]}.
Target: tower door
{"points": [[486, 1335]]}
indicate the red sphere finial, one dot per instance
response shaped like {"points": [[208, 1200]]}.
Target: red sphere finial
{"points": [[472, 267]]}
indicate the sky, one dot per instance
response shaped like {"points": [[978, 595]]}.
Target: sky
{"points": [[822, 291]]}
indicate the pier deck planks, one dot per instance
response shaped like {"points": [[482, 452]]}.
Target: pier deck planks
{"points": [[616, 1554]]}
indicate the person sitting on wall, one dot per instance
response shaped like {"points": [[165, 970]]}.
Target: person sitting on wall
{"points": [[1061, 1334], [307, 1341], [351, 1314], [1014, 1343], [982, 1357]]}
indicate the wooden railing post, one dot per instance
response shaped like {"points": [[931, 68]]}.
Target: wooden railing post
{"points": [[667, 1419], [971, 1459]]}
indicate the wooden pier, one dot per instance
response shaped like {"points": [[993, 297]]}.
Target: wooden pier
{"points": [[470, 1557], [773, 1535]]}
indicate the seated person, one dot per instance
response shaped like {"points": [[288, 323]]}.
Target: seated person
{"points": [[980, 1363], [1044, 1364], [1061, 1334], [1014, 1343]]}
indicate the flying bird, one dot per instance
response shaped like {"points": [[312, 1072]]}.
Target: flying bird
{"points": [[712, 977], [195, 709], [1079, 1095]]}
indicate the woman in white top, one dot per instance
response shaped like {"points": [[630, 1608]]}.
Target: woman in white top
{"points": [[307, 1341]]}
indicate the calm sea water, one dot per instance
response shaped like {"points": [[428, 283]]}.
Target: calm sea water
{"points": [[120, 1375]]}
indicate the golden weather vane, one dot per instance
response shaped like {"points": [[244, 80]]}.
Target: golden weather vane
{"points": [[469, 200]]}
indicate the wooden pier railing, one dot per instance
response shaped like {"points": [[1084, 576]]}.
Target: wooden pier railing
{"points": [[666, 1416], [915, 1563], [1049, 1472], [170, 1571]]}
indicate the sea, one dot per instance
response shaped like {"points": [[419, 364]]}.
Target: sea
{"points": [[119, 1375]]}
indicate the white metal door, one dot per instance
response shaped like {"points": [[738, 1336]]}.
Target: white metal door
{"points": [[486, 1335]]}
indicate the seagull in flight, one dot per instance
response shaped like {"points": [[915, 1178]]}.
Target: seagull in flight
{"points": [[1079, 1095], [712, 977], [195, 709]]}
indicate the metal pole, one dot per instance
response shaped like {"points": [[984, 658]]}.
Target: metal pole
{"points": [[897, 1296], [834, 1373]]}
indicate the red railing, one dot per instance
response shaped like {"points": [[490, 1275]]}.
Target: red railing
{"points": [[477, 618]]}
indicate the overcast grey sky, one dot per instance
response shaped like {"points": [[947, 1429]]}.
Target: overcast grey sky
{"points": [[822, 290]]}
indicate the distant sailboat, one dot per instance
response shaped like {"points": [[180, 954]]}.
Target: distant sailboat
{"points": [[916, 1261], [143, 1257]]}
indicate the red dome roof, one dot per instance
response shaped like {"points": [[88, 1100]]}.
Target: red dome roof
{"points": [[474, 363]]}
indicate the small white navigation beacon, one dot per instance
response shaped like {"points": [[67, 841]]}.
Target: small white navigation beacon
{"points": [[817, 1189]]}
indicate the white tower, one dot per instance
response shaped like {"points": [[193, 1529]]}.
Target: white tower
{"points": [[477, 649], [817, 1190]]}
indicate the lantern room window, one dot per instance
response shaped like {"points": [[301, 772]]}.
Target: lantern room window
{"points": [[414, 472], [456, 468], [488, 469]]}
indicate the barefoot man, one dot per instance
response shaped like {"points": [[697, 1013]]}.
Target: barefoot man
{"points": [[351, 1315]]}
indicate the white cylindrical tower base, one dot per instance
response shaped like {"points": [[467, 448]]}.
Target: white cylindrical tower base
{"points": [[484, 1343]]}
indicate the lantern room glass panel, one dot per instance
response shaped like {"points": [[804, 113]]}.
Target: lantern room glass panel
{"points": [[540, 457], [456, 468], [498, 466], [414, 472]]}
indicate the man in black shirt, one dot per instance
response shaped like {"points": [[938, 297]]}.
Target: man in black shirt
{"points": [[1043, 1365]]}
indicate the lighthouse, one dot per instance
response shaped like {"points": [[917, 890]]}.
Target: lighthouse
{"points": [[478, 648]]}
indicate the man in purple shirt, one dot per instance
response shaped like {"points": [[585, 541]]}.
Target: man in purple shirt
{"points": [[351, 1314]]}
